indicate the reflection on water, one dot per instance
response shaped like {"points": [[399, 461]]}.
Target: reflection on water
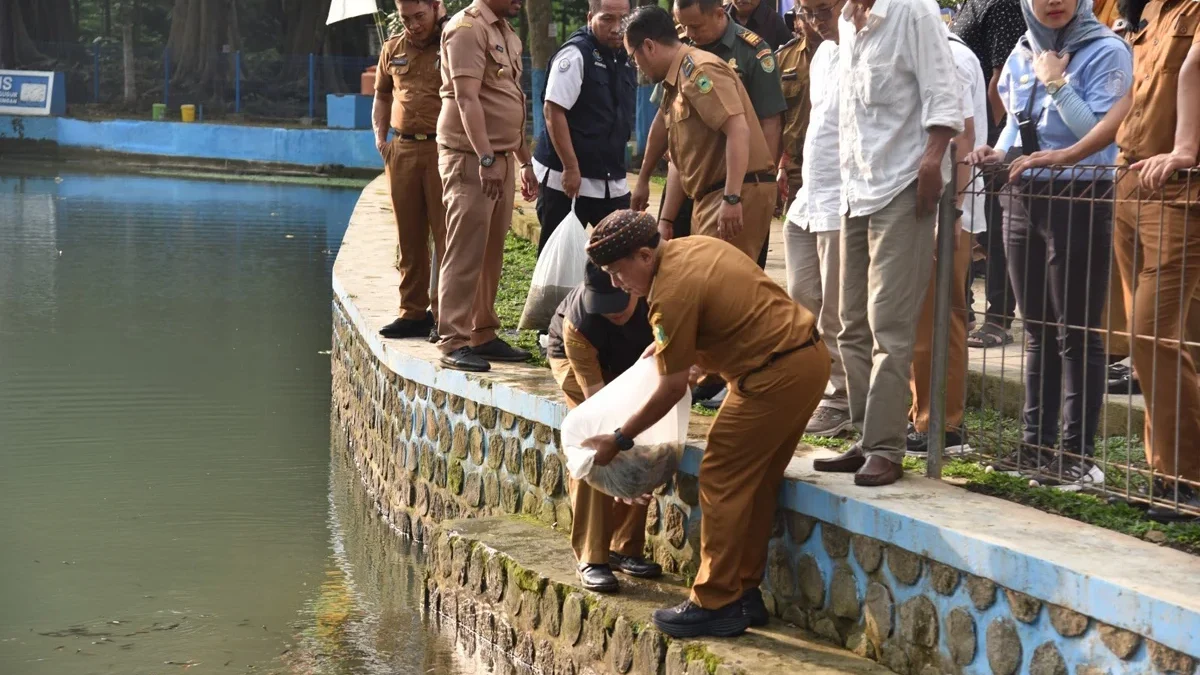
{"points": [[164, 437]]}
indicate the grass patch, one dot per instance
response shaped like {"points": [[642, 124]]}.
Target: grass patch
{"points": [[702, 411], [519, 258]]}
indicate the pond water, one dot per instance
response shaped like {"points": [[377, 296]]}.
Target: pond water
{"points": [[166, 502]]}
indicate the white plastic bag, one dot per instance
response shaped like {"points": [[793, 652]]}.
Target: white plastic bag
{"points": [[656, 452], [558, 271]]}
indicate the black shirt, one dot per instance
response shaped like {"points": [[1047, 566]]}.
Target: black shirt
{"points": [[766, 22], [991, 29], [617, 347]]}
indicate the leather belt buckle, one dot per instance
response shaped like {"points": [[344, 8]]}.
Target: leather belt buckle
{"points": [[421, 137]]}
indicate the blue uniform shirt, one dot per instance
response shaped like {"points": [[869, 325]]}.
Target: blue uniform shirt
{"points": [[1100, 73]]}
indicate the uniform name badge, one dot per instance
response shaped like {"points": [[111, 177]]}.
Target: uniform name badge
{"points": [[660, 334]]}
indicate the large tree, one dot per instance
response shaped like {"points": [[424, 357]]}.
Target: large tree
{"points": [[26, 23], [200, 32]]}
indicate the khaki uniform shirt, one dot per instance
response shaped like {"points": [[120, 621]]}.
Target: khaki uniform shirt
{"points": [[1158, 53], [711, 306], [412, 75], [793, 60], [478, 44], [700, 93]]}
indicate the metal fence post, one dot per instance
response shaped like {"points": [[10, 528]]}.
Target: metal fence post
{"points": [[947, 236], [96, 76], [167, 78], [312, 94], [237, 81]]}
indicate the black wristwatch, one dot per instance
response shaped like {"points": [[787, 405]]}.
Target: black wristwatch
{"points": [[732, 200], [486, 161], [623, 443]]}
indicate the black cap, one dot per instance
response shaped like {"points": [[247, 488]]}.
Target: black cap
{"points": [[599, 295]]}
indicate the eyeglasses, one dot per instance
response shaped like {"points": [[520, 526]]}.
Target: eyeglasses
{"points": [[823, 14]]}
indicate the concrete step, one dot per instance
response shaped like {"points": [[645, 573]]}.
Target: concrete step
{"points": [[536, 556]]}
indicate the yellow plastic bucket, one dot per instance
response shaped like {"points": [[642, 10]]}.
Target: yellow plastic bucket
{"points": [[187, 113]]}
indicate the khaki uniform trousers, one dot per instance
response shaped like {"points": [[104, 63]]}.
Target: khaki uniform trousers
{"points": [[751, 441], [758, 207], [599, 523], [1156, 243], [475, 231], [416, 191], [956, 359]]}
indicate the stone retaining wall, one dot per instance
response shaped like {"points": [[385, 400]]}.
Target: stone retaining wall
{"points": [[428, 456]]}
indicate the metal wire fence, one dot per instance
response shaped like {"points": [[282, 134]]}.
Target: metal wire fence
{"points": [[1083, 304]]}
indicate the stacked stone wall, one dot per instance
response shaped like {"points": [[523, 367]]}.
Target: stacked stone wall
{"points": [[427, 456]]}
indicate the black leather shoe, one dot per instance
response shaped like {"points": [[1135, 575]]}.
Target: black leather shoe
{"points": [[755, 608], [847, 462], [597, 578], [408, 328], [689, 620], [499, 350], [464, 358], [634, 567], [1122, 381], [434, 338], [877, 471]]}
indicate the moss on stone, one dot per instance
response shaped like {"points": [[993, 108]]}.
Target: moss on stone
{"points": [[699, 652], [454, 479], [526, 580]]}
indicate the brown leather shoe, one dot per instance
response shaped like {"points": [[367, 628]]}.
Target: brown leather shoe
{"points": [[878, 471], [847, 462]]}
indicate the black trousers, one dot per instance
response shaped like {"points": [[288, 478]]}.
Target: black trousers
{"points": [[683, 228], [554, 205], [1058, 239]]}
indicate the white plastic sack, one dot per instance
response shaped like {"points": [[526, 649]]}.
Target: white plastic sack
{"points": [[656, 452], [558, 271]]}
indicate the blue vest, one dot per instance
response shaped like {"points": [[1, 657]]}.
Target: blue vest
{"points": [[601, 121]]}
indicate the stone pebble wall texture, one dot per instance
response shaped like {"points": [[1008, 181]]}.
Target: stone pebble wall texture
{"points": [[427, 456]]}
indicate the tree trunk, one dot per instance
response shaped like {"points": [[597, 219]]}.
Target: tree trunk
{"points": [[16, 44], [200, 30], [130, 67], [107, 18], [541, 48]]}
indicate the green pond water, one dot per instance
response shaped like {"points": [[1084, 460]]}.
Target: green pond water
{"points": [[168, 502]]}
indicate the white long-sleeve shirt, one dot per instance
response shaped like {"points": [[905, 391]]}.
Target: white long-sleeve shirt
{"points": [[974, 106], [897, 83], [815, 208]]}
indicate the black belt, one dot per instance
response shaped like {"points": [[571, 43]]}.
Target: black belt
{"points": [[812, 340], [757, 177], [415, 137]]}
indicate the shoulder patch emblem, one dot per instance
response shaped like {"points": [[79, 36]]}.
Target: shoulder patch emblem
{"points": [[704, 84], [763, 52], [688, 67], [563, 65], [749, 37], [660, 335], [768, 63], [463, 23]]}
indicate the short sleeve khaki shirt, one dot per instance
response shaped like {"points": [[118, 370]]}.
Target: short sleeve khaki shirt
{"points": [[478, 44], [1159, 50], [711, 306], [793, 61], [412, 75], [700, 93]]}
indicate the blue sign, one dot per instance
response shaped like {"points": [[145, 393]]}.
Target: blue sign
{"points": [[26, 92]]}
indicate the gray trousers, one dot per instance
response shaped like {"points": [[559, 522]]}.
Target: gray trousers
{"points": [[887, 258], [813, 261]]}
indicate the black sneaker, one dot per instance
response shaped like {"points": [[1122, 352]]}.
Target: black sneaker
{"points": [[1069, 474], [499, 350], [917, 443], [464, 358], [1164, 510], [688, 620], [633, 566], [754, 607], [597, 578], [408, 328]]}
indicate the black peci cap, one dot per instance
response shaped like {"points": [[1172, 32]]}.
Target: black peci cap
{"points": [[599, 295]]}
